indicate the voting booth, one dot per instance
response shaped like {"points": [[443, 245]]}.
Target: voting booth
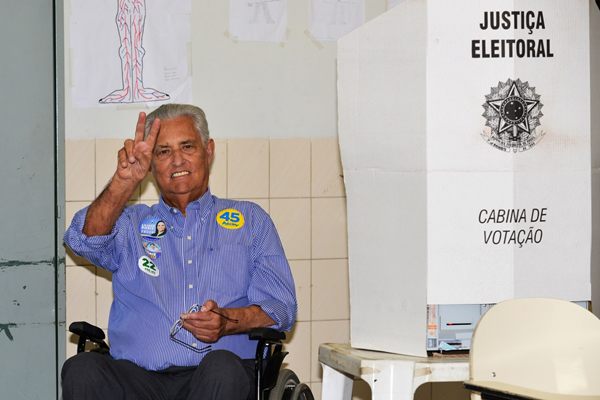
{"points": [[464, 130]]}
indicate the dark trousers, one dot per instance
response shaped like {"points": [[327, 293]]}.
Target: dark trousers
{"points": [[221, 375]]}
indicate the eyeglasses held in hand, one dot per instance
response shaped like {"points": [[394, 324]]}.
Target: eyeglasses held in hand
{"points": [[177, 327]]}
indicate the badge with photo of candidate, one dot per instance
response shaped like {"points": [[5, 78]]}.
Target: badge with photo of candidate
{"points": [[153, 227], [151, 248]]}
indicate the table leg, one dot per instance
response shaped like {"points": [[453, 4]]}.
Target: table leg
{"points": [[390, 380], [336, 385]]}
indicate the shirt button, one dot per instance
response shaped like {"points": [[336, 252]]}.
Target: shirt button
{"points": [[189, 238], [190, 286], [189, 261], [194, 344]]}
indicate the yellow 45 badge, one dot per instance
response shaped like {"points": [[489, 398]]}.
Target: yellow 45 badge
{"points": [[230, 218]]}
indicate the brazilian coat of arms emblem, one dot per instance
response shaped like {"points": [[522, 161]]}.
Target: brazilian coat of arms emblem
{"points": [[512, 113]]}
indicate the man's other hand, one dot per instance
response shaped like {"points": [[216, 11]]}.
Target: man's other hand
{"points": [[208, 324]]}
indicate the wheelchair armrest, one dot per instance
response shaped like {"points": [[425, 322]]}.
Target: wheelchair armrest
{"points": [[82, 328], [87, 331], [268, 359], [266, 334]]}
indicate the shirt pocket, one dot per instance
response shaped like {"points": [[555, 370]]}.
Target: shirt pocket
{"points": [[227, 268]]}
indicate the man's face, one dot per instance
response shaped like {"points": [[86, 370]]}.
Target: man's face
{"points": [[180, 162]]}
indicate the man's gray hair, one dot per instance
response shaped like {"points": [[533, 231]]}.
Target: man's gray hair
{"points": [[170, 111]]}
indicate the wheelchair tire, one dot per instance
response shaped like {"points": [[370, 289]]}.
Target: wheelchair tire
{"points": [[302, 392], [287, 381]]}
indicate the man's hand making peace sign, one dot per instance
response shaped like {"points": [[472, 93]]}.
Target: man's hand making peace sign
{"points": [[135, 156], [134, 160]]}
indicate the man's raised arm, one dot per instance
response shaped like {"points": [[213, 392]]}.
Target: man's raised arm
{"points": [[134, 160]]}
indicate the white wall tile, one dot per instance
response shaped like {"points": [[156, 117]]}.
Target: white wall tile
{"points": [[292, 219], [80, 182], [71, 344], [80, 294], [327, 176], [330, 293], [298, 346], [301, 272], [248, 168], [329, 235], [290, 168], [218, 172]]}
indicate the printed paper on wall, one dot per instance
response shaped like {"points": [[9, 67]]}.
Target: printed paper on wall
{"points": [[331, 19], [129, 51], [258, 20]]}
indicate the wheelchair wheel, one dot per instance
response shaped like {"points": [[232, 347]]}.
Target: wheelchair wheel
{"points": [[302, 392], [285, 386]]}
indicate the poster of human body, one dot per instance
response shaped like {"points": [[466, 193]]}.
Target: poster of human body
{"points": [[129, 51]]}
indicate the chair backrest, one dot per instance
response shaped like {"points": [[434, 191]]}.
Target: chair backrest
{"points": [[544, 345]]}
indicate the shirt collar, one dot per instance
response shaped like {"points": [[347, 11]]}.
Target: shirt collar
{"points": [[201, 205]]}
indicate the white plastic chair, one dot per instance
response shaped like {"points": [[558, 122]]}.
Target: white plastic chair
{"points": [[536, 349]]}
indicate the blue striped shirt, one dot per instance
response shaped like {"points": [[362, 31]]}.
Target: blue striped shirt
{"points": [[223, 250]]}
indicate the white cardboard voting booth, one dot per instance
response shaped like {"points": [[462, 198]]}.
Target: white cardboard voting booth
{"points": [[464, 130]]}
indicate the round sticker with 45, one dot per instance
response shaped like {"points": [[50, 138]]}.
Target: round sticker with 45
{"points": [[230, 218]]}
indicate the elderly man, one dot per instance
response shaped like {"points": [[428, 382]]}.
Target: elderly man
{"points": [[223, 256]]}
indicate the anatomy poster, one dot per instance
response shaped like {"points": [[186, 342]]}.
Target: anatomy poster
{"points": [[331, 19], [258, 20], [129, 51]]}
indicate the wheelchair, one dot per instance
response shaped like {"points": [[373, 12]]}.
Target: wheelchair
{"points": [[272, 382]]}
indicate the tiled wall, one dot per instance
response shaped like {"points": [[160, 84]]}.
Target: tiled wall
{"points": [[298, 181]]}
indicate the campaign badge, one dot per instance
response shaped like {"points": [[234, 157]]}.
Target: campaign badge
{"points": [[153, 227], [230, 218], [146, 265], [152, 249]]}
